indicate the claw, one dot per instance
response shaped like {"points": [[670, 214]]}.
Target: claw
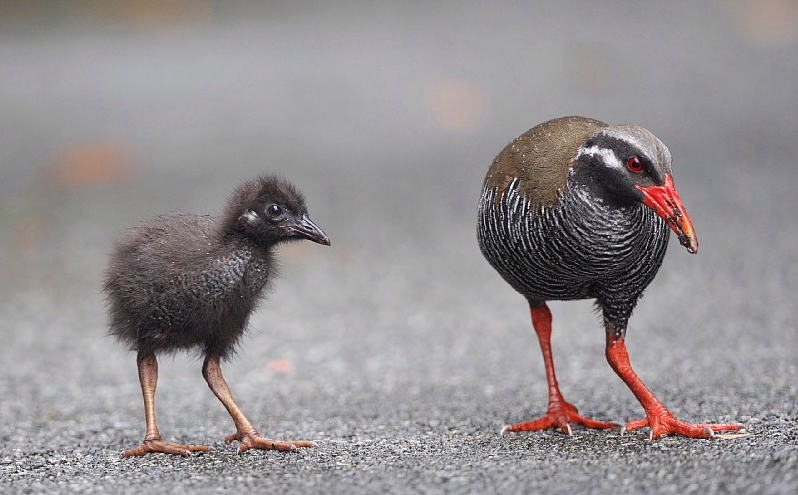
{"points": [[665, 424], [253, 440], [560, 415], [156, 444]]}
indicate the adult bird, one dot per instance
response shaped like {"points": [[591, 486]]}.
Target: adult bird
{"points": [[576, 208], [190, 282]]}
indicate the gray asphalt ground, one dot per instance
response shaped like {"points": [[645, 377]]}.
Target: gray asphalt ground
{"points": [[397, 349]]}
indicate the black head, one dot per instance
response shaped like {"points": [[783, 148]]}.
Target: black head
{"points": [[626, 164], [619, 160], [268, 210]]}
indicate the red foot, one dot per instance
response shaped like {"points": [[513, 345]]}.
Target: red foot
{"points": [[659, 419], [255, 441], [561, 415], [165, 447], [665, 424]]}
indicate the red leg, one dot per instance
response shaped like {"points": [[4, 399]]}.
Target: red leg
{"points": [[561, 413], [148, 376], [659, 419], [245, 431]]}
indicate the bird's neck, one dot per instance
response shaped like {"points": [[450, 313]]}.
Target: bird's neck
{"points": [[601, 190], [245, 265], [231, 234], [243, 248], [599, 214]]}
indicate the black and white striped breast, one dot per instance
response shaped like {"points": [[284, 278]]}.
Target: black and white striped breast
{"points": [[577, 248]]}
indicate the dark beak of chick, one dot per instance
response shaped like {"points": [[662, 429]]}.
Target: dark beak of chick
{"points": [[306, 229], [667, 203]]}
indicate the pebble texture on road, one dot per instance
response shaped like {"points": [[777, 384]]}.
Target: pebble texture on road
{"points": [[398, 349]]}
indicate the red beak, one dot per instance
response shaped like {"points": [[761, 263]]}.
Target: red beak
{"points": [[667, 203]]}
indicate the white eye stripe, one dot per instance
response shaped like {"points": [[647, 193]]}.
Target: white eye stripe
{"points": [[641, 139], [250, 216], [608, 156], [628, 137]]}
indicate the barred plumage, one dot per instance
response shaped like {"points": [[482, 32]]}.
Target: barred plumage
{"points": [[578, 248], [575, 208]]}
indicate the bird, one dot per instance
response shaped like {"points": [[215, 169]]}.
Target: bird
{"points": [[185, 282], [573, 209]]}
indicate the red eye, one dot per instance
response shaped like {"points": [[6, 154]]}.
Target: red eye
{"points": [[635, 164]]}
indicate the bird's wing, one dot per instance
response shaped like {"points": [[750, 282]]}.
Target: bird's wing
{"points": [[539, 161]]}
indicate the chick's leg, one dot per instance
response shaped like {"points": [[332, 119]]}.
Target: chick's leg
{"points": [[245, 432], [148, 377]]}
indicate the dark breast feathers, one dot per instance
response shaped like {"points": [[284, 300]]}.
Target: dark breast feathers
{"points": [[166, 295], [549, 238]]}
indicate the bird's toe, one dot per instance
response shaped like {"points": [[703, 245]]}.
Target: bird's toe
{"points": [[165, 447], [666, 424], [255, 441]]}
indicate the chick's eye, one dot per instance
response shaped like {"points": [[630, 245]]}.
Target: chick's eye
{"points": [[274, 211], [635, 164]]}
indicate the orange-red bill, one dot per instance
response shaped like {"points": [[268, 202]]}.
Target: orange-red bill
{"points": [[666, 202]]}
